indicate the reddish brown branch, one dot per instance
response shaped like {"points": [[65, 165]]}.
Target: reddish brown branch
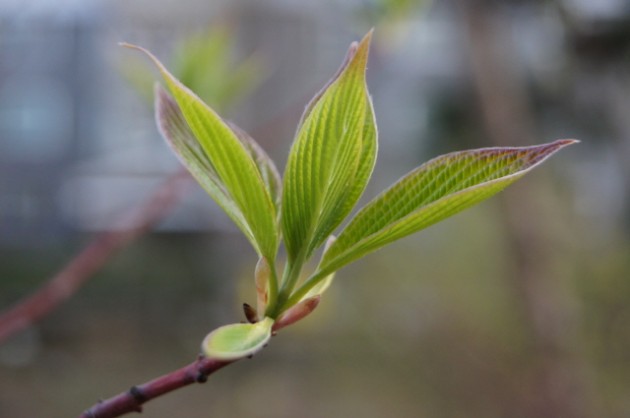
{"points": [[67, 281], [132, 399]]}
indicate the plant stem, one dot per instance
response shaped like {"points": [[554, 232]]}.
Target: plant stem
{"points": [[289, 278], [273, 285], [302, 290], [133, 399]]}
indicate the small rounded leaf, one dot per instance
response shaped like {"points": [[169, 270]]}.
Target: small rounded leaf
{"points": [[235, 341]]}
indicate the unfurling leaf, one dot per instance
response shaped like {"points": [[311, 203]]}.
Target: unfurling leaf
{"points": [[235, 341], [238, 185], [436, 190], [331, 159]]}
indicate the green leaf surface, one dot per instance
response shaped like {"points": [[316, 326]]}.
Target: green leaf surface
{"points": [[234, 166], [266, 166], [179, 137], [331, 159], [182, 141], [436, 190], [236, 341]]}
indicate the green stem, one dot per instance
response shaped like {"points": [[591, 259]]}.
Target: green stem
{"points": [[273, 286], [302, 290], [290, 277]]}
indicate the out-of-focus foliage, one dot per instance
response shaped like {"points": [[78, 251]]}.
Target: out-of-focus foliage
{"points": [[389, 13], [205, 63]]}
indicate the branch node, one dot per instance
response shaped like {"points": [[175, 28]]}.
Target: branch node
{"points": [[89, 413], [138, 395], [201, 377]]}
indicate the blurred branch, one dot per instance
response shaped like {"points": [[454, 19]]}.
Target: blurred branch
{"points": [[132, 399], [559, 389], [205, 63], [100, 250]]}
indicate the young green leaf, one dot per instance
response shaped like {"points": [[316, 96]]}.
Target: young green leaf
{"points": [[235, 341], [331, 159], [233, 164], [182, 141], [434, 191]]}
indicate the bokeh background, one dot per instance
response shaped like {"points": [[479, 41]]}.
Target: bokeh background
{"points": [[519, 307]]}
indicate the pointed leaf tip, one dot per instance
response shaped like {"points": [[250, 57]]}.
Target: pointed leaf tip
{"points": [[565, 142]]}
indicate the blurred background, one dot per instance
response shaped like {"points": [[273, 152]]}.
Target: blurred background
{"points": [[519, 307]]}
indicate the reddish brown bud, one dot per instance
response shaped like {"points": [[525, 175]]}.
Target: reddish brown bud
{"points": [[296, 312], [250, 313]]}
